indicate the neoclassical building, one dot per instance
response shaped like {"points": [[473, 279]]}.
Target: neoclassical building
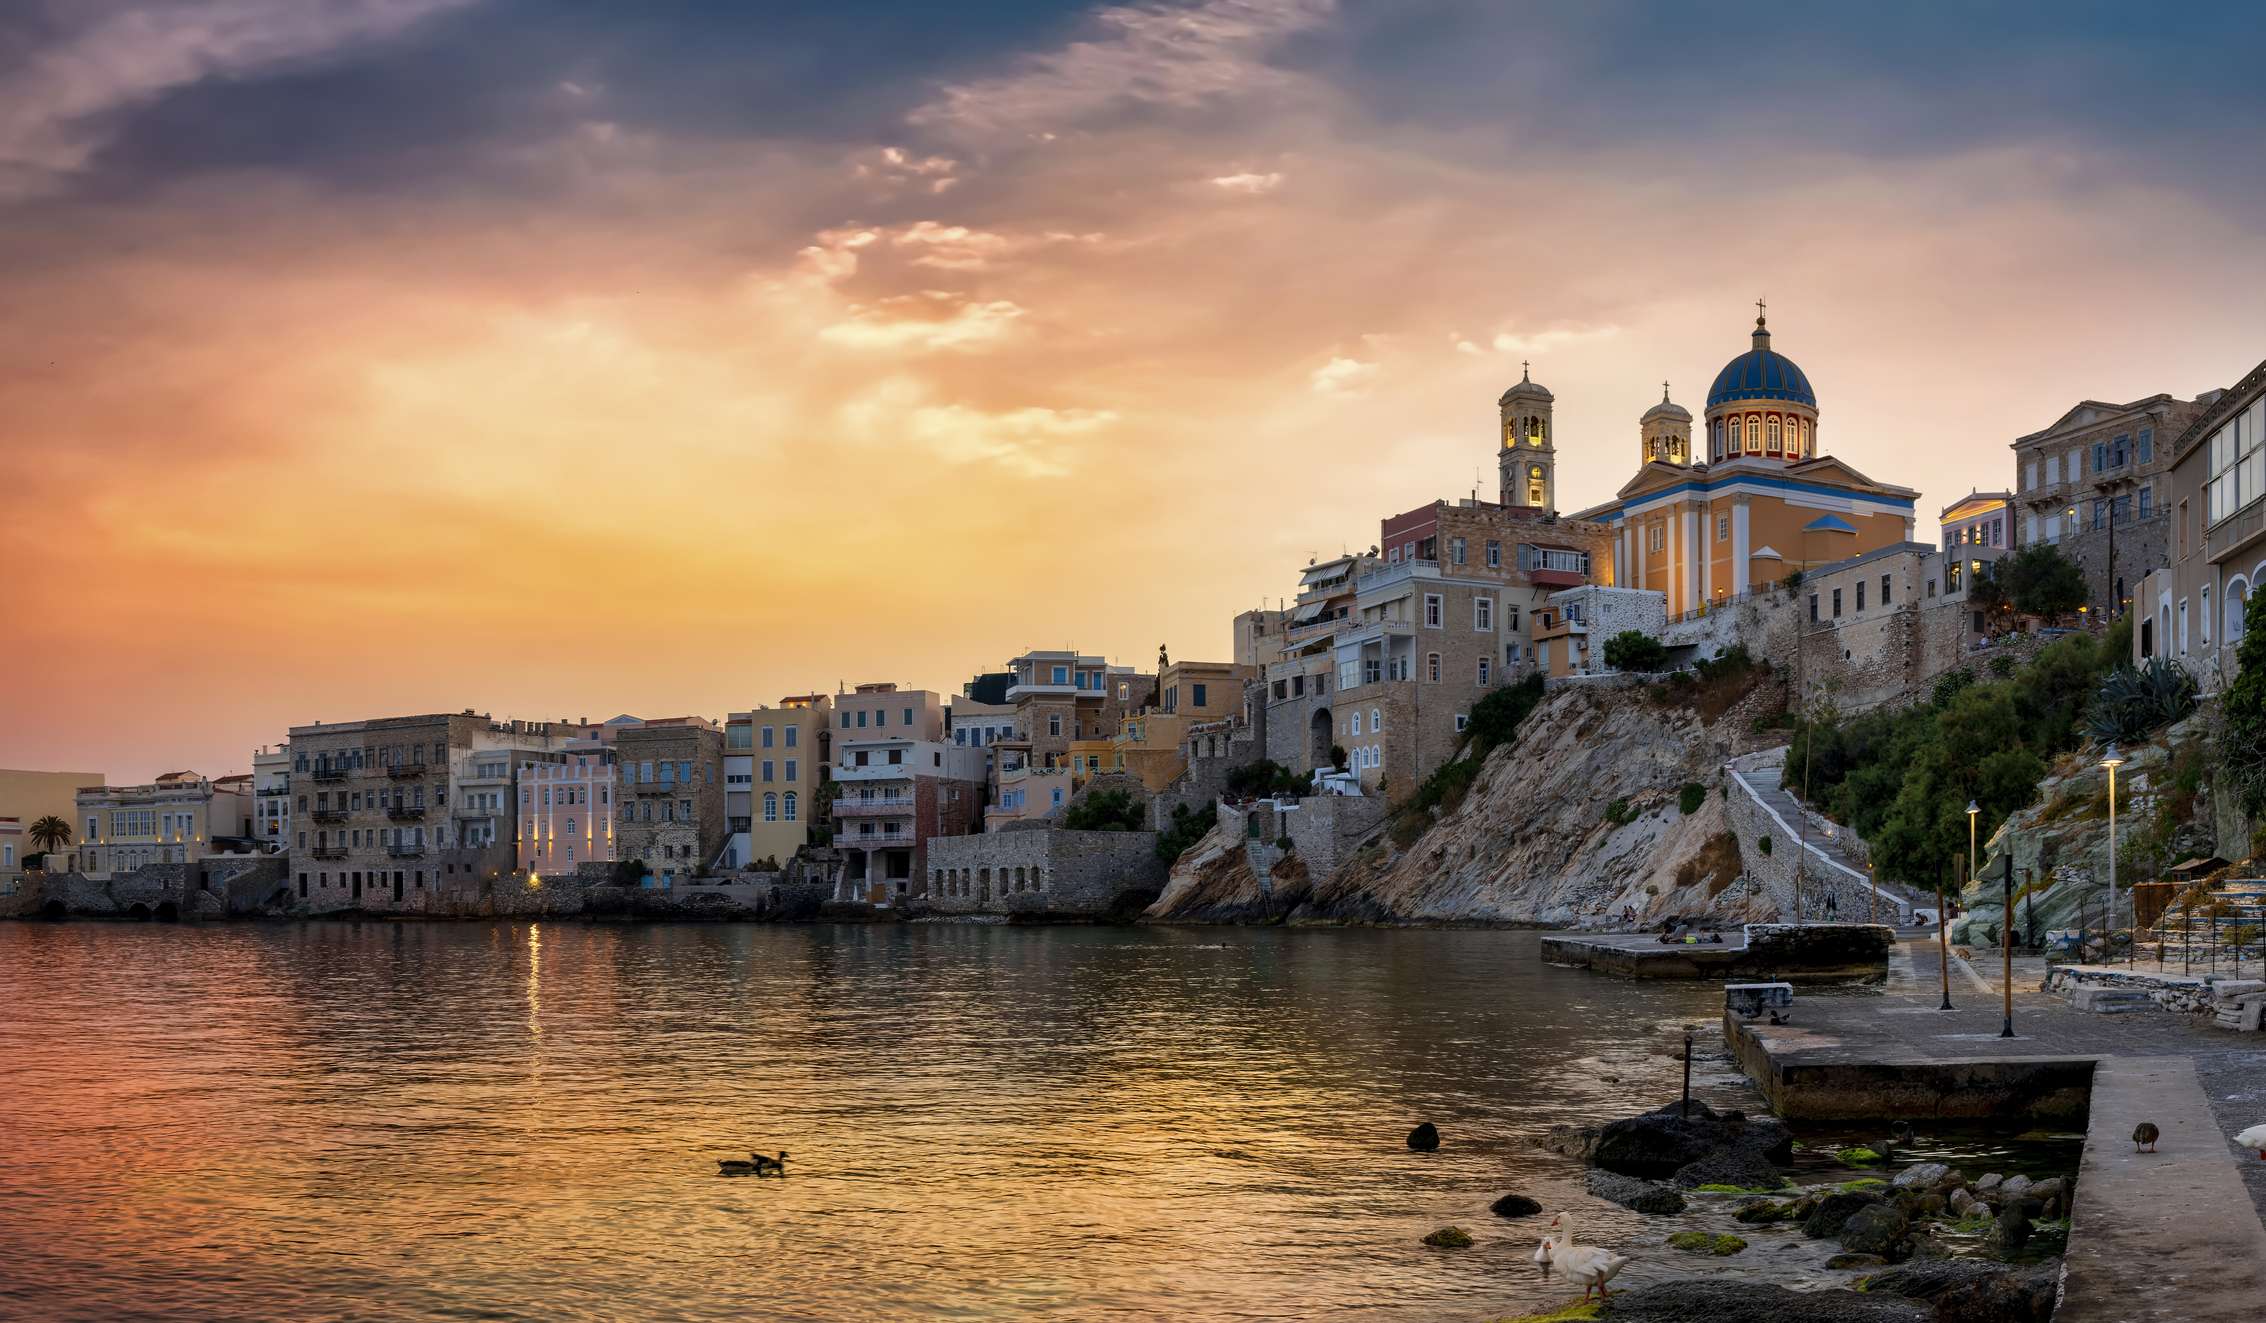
{"points": [[1765, 503]]}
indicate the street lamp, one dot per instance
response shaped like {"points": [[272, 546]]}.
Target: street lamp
{"points": [[1972, 810], [2111, 760]]}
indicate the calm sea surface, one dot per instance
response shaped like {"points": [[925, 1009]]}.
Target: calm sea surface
{"points": [[520, 1121]]}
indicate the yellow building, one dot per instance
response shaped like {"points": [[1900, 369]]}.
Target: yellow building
{"points": [[1765, 504], [29, 796], [176, 819], [1151, 743], [775, 759]]}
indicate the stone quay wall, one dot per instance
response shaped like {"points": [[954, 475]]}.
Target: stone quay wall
{"points": [[2193, 994], [1771, 873], [1047, 873]]}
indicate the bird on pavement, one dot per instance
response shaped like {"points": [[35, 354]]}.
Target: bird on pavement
{"points": [[2145, 1133], [2254, 1139]]}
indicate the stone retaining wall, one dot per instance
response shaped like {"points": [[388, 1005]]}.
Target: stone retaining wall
{"points": [[1051, 872], [2195, 994]]}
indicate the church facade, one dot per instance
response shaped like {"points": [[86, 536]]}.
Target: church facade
{"points": [[1764, 504]]}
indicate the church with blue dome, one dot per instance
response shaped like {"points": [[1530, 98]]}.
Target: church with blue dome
{"points": [[1706, 527]]}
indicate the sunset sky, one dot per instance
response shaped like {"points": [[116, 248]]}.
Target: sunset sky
{"points": [[565, 358]]}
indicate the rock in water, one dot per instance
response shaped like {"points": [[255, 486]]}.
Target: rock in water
{"points": [[1703, 1301], [1635, 1195], [1424, 1138], [1834, 1211], [1661, 1142], [1968, 1291], [1449, 1238], [2010, 1233], [1514, 1205], [1573, 1141], [1881, 1230], [1925, 1176], [1846, 1261]]}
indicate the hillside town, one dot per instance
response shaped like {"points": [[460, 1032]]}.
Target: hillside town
{"points": [[1062, 783]]}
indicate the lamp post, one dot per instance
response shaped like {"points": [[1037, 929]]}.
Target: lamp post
{"points": [[2111, 760], [1943, 941], [1972, 810], [2006, 943]]}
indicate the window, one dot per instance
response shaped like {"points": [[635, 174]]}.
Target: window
{"points": [[1656, 536], [1511, 617], [1884, 581], [767, 736], [736, 737], [2205, 616], [1483, 614], [767, 766], [1837, 604], [2053, 469], [1860, 594], [2147, 502], [1813, 608], [1431, 610], [1483, 670], [2237, 466], [793, 765], [1432, 667], [1754, 435], [1462, 720], [1376, 721], [1054, 723], [792, 732], [861, 718], [788, 803], [1775, 447], [2100, 456], [908, 716], [1061, 675], [1494, 554], [2144, 447], [2030, 474], [1723, 528], [1455, 550]]}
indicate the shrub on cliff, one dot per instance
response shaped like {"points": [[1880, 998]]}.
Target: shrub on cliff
{"points": [[1635, 650], [1256, 780], [2134, 702], [629, 872], [1493, 723], [1186, 828]]}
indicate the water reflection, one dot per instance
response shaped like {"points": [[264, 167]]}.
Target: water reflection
{"points": [[325, 1120]]}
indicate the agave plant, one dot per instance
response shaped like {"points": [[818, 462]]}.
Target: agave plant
{"points": [[2135, 702]]}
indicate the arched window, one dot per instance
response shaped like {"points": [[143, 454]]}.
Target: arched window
{"points": [[770, 806], [2238, 599], [570, 826], [1754, 434], [1432, 667], [789, 805], [1771, 432], [1534, 433]]}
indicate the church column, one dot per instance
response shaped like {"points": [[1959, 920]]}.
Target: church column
{"points": [[1707, 551], [1739, 546], [1691, 578]]}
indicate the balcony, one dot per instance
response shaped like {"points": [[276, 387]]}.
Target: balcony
{"points": [[658, 789], [2235, 532], [406, 812], [329, 852], [406, 851], [405, 771], [329, 815], [873, 808], [330, 774]]}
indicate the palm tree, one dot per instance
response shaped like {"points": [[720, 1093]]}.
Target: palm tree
{"points": [[49, 833]]}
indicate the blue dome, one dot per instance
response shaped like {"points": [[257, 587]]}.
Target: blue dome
{"points": [[1761, 374]]}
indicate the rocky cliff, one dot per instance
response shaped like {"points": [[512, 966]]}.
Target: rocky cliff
{"points": [[1582, 817]]}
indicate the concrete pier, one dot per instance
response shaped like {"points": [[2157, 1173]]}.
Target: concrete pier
{"points": [[1817, 952]]}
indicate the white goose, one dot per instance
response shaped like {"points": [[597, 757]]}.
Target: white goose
{"points": [[2254, 1139], [1591, 1265]]}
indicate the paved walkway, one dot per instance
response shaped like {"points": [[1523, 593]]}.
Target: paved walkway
{"points": [[2166, 1235], [1828, 853]]}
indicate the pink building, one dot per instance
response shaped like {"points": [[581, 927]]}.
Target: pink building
{"points": [[566, 810]]}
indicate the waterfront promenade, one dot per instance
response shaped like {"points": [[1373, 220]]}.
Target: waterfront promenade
{"points": [[2175, 1234]]}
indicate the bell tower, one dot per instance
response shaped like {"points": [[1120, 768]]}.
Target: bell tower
{"points": [[1528, 461], [1665, 432]]}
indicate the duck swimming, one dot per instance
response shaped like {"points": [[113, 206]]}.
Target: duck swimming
{"points": [[770, 1166]]}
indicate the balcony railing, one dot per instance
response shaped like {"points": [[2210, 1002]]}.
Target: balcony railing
{"points": [[329, 815], [872, 808], [406, 851], [330, 774], [661, 789], [406, 812], [405, 771], [330, 852]]}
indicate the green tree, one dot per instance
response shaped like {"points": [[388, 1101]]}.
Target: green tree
{"points": [[1186, 828], [1105, 810], [49, 833], [2242, 737], [2038, 581], [1635, 650]]}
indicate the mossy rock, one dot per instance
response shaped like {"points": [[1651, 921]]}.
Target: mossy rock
{"points": [[1449, 1238], [1861, 1183], [1738, 1189], [1573, 1313], [1857, 1157], [1755, 1212], [1701, 1242]]}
